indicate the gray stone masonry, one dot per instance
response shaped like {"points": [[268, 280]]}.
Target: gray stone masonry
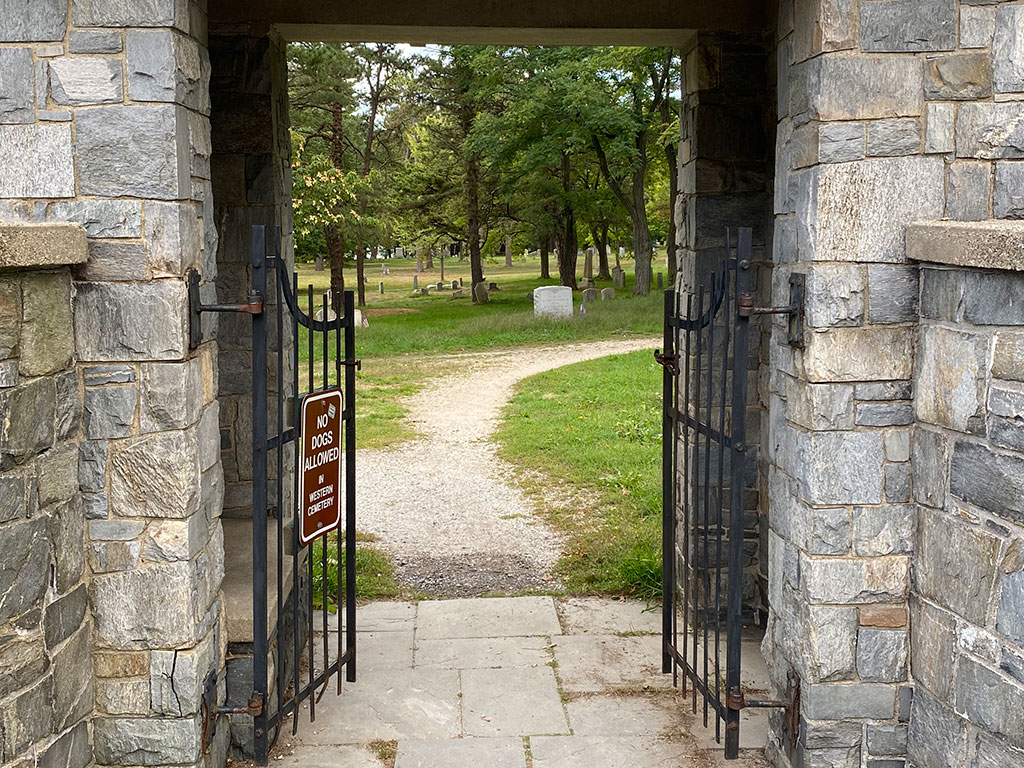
{"points": [[45, 624]]}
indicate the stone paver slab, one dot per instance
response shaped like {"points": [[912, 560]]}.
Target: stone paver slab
{"points": [[348, 756], [590, 663], [511, 702], [374, 650], [487, 617], [600, 715], [461, 753], [598, 615], [386, 704], [385, 616], [483, 653], [606, 752]]}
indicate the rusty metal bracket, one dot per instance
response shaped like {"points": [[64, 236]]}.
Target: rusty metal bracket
{"points": [[254, 306], [671, 362], [211, 712], [736, 699], [795, 309]]}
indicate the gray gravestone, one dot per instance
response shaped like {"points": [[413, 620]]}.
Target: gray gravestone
{"points": [[607, 294], [480, 293], [552, 301], [381, 287], [619, 277], [415, 282], [590, 294], [661, 281], [319, 264], [588, 265], [455, 284]]}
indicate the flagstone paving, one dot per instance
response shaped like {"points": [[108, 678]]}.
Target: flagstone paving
{"points": [[521, 682]]}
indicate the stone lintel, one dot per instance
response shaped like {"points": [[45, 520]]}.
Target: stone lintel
{"points": [[41, 246], [991, 244]]}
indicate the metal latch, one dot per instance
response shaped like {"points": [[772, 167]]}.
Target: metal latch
{"points": [[795, 309], [670, 362], [254, 306]]}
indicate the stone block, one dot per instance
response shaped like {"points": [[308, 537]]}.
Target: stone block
{"points": [[123, 697], [27, 21], [990, 131], [29, 427], [898, 483], [840, 142], [95, 505], [156, 475], [57, 475], [115, 530], [936, 736], [84, 80], [133, 151], [996, 754], [110, 556], [178, 677], [831, 641], [833, 757], [72, 680], [859, 211], [955, 565], [829, 531], [882, 655], [933, 641], [1006, 417], [102, 218], [977, 26], [824, 701], [891, 138], [92, 466], [10, 316], [883, 530], [891, 414], [66, 523], [841, 467], [835, 295], [883, 616], [147, 741], [141, 609], [23, 658], [958, 77], [908, 25], [94, 41], [46, 345], [115, 261], [1010, 619], [36, 161], [13, 503], [172, 233], [942, 292], [164, 65], [847, 581], [874, 353], [131, 322], [992, 481], [887, 740], [121, 664], [951, 377], [930, 467], [171, 540], [71, 750], [819, 406], [893, 291], [110, 411], [172, 395], [864, 87], [17, 86], [1008, 198], [125, 13], [1008, 49], [208, 436], [968, 191], [990, 701], [938, 134], [25, 720]]}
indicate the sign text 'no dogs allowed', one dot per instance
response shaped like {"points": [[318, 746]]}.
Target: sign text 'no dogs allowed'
{"points": [[320, 473]]}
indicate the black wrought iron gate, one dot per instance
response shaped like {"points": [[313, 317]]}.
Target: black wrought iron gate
{"points": [[705, 362], [330, 349]]}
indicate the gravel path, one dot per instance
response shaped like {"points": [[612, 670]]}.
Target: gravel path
{"points": [[445, 505]]}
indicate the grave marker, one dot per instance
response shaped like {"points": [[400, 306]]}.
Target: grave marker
{"points": [[552, 301]]}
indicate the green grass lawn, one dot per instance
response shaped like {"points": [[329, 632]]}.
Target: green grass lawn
{"points": [[595, 428]]}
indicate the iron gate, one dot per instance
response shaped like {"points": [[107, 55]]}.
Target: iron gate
{"points": [[330, 348], [705, 362]]}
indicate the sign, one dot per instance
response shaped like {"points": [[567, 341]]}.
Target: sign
{"points": [[320, 464]]}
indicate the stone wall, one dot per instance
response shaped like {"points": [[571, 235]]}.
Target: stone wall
{"points": [[104, 121], [890, 111], [45, 624], [967, 603]]}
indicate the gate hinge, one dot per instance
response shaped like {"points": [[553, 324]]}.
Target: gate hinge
{"points": [[795, 309], [254, 306], [670, 362], [737, 700], [357, 364]]}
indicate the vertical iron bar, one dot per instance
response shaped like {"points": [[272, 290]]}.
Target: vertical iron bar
{"points": [[706, 553], [350, 485], [686, 480], [259, 493], [296, 521], [337, 540], [744, 284], [667, 512], [673, 486], [279, 312], [326, 538], [721, 477], [311, 555], [695, 509]]}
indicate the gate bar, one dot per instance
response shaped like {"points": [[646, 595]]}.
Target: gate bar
{"points": [[668, 544]]}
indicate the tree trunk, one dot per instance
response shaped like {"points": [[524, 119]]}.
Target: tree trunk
{"points": [[642, 250], [545, 258], [671, 151], [567, 241], [473, 221], [360, 271], [508, 252], [430, 258], [336, 255], [603, 273]]}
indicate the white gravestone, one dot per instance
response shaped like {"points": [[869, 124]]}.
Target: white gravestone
{"points": [[552, 301]]}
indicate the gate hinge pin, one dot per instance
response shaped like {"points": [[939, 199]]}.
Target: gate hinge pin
{"points": [[357, 364], [253, 708], [671, 362]]}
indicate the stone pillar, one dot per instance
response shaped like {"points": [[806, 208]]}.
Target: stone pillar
{"points": [[46, 686], [889, 112], [105, 123]]}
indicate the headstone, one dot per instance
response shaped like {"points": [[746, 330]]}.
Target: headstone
{"points": [[361, 320], [455, 284], [590, 294], [425, 290], [619, 277], [480, 293], [493, 287], [399, 253], [331, 315], [588, 265], [383, 269], [440, 287], [552, 301], [661, 281], [381, 287], [415, 282], [607, 294], [458, 294], [622, 251], [319, 264]]}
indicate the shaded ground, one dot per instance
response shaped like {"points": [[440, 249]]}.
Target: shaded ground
{"points": [[445, 505]]}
